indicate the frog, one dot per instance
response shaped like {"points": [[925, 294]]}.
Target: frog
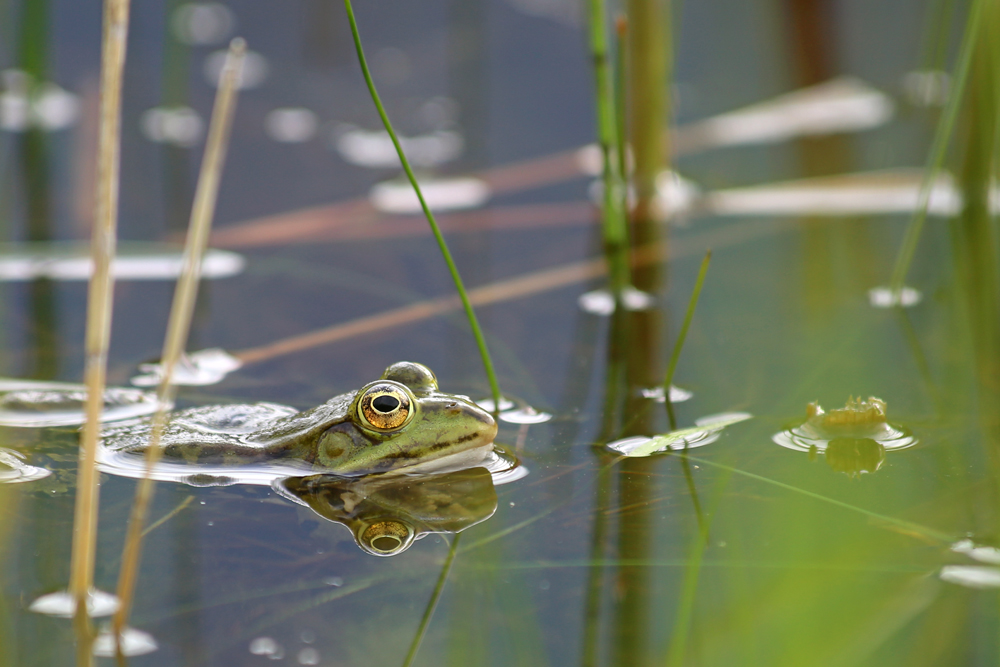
{"points": [[399, 423]]}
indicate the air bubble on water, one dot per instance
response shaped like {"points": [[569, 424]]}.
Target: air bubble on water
{"points": [[525, 415], [201, 368], [133, 642], [885, 297], [14, 470], [602, 302], [307, 636], [35, 403], [334, 581], [308, 656], [55, 108], [254, 73], [677, 395], [264, 646], [291, 125], [179, 126], [203, 23], [927, 88], [488, 404]]}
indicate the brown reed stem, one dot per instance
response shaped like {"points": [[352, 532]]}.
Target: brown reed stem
{"points": [[181, 311], [100, 294]]}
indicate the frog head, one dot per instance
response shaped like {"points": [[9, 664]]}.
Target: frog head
{"points": [[403, 421]]}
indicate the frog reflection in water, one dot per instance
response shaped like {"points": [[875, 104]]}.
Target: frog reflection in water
{"points": [[400, 422], [386, 513], [854, 439]]}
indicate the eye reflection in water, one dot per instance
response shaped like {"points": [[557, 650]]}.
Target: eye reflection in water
{"points": [[854, 439]]}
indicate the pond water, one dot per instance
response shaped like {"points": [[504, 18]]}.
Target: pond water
{"points": [[743, 551]]}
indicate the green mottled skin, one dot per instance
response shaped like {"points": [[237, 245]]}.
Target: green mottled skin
{"points": [[330, 438]]}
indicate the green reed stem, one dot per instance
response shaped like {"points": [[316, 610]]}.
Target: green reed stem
{"points": [[181, 312], [939, 147], [679, 344], [459, 285], [435, 597], [621, 103], [100, 295], [613, 228]]}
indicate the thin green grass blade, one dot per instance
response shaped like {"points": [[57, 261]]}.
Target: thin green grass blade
{"points": [[452, 269], [613, 228], [939, 147], [676, 354]]}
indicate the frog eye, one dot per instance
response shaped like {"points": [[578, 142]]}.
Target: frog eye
{"points": [[385, 406], [386, 538]]}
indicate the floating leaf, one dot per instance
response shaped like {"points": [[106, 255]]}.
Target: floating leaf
{"points": [[706, 431]]}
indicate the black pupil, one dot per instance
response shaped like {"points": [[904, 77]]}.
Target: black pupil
{"points": [[385, 403]]}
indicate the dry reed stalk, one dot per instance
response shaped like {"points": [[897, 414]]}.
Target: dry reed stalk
{"points": [[100, 294], [181, 311]]}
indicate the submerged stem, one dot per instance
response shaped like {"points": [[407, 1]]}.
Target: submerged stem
{"points": [[679, 344], [939, 147], [100, 293], [452, 269], [181, 312], [432, 603]]}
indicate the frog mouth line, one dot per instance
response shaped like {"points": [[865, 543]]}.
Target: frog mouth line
{"points": [[467, 458]]}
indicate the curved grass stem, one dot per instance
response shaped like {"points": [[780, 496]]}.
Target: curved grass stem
{"points": [[452, 269]]}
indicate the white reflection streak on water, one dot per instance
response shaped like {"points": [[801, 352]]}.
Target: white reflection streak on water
{"points": [[25, 265]]}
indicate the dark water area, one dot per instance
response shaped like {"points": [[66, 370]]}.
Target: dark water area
{"points": [[740, 552]]}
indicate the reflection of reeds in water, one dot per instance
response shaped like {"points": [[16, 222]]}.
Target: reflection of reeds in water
{"points": [[99, 299], [181, 312]]}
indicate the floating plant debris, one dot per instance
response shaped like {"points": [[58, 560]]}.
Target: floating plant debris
{"points": [[178, 126], [33, 404], [133, 642], [853, 438], [62, 604], [291, 126], [971, 576], [31, 261], [844, 104], [488, 404], [885, 297], [440, 194], [707, 430], [515, 413], [375, 150], [14, 470], [602, 302], [202, 368], [890, 191], [203, 23], [984, 554], [24, 104], [677, 395], [254, 72], [525, 415]]}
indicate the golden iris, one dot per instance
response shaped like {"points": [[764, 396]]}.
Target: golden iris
{"points": [[385, 407]]}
